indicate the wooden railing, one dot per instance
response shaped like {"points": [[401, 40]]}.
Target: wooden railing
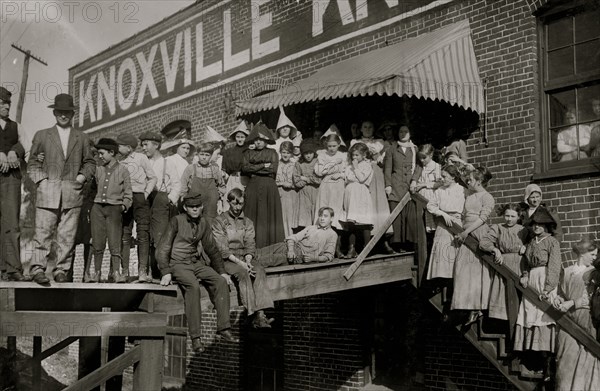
{"points": [[564, 321]]}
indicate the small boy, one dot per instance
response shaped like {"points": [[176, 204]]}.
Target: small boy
{"points": [[315, 243], [143, 180], [179, 258], [113, 198]]}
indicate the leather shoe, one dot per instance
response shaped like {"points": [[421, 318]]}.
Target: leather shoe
{"points": [[60, 277], [227, 336], [197, 345], [119, 278], [15, 276], [40, 278]]}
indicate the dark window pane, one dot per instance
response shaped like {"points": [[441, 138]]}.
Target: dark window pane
{"points": [[560, 63], [588, 56], [573, 143], [560, 33], [588, 102], [587, 26], [558, 106]]}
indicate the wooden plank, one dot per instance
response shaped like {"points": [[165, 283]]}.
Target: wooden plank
{"points": [[159, 289], [54, 349], [36, 370], [316, 282], [147, 373], [105, 372], [376, 236], [82, 324], [323, 265]]}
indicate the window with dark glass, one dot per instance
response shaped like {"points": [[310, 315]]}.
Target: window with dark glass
{"points": [[570, 65]]}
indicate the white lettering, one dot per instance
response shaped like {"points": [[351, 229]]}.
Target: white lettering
{"points": [[391, 3], [170, 67], [361, 9], [86, 101], [204, 72], [320, 6], [106, 90], [187, 57], [260, 22], [126, 102], [230, 60], [147, 76]]}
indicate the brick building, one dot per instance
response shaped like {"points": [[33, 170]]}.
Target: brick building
{"points": [[516, 78]]}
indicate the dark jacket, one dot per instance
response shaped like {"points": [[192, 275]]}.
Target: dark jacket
{"points": [[181, 243]]}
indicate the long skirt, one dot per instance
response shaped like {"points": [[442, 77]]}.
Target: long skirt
{"points": [[289, 209], [443, 252], [497, 306], [358, 205], [535, 330], [472, 278], [576, 367], [307, 198], [381, 208], [331, 194], [263, 207]]}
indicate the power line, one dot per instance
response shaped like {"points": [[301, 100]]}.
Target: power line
{"points": [[5, 56], [7, 31]]}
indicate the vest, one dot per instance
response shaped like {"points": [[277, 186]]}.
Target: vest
{"points": [[8, 136]]}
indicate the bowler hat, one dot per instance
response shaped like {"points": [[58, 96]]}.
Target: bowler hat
{"points": [[63, 102], [5, 95], [127, 139], [152, 136], [192, 198], [108, 144], [542, 216]]}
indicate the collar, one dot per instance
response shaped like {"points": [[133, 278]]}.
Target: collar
{"points": [[191, 220], [61, 129], [322, 228], [240, 217], [112, 164]]}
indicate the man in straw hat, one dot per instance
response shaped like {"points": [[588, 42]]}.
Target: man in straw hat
{"points": [[180, 258], [11, 153], [68, 164]]}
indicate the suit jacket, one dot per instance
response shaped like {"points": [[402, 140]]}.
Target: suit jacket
{"points": [[398, 170], [56, 176]]}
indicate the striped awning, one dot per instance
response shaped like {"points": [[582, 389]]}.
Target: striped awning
{"points": [[438, 65]]}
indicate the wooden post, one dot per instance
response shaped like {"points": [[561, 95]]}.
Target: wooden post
{"points": [[378, 234], [89, 356], [147, 373], [24, 78], [36, 370]]}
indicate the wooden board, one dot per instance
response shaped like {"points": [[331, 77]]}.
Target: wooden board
{"points": [[81, 324], [86, 286]]}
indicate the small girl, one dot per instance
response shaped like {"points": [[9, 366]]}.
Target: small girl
{"points": [[287, 190], [358, 204], [206, 178], [232, 161], [426, 179], [307, 182], [330, 166], [506, 242]]}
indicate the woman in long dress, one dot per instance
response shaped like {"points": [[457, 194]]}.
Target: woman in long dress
{"points": [[447, 206], [576, 367], [233, 157], [535, 330], [472, 277], [263, 205], [506, 242]]}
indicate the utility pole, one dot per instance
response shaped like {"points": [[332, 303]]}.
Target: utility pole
{"points": [[28, 55]]}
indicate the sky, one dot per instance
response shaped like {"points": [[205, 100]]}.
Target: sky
{"points": [[63, 34]]}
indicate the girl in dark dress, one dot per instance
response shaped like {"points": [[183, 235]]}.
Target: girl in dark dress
{"points": [[233, 158], [263, 205]]}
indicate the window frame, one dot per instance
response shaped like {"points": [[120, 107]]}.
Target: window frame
{"points": [[546, 87]]}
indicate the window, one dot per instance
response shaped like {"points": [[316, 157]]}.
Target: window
{"points": [[570, 72]]}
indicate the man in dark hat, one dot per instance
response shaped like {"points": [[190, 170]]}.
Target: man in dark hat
{"points": [[179, 256], [68, 163], [11, 153]]}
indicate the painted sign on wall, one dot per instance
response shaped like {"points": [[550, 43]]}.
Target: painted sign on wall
{"points": [[216, 44]]}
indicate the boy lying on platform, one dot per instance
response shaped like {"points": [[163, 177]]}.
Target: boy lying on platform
{"points": [[315, 243], [179, 258]]}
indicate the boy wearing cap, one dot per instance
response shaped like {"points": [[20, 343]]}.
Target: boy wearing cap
{"points": [[113, 198], [163, 198], [143, 179], [11, 153], [68, 163], [179, 258]]}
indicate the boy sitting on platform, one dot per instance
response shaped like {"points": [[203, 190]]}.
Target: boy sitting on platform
{"points": [[315, 243], [179, 258], [114, 197]]}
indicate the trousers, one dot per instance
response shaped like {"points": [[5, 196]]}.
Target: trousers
{"points": [[106, 224], [254, 295], [10, 250]]}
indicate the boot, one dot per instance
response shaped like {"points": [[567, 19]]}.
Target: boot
{"points": [[143, 276], [338, 249], [351, 252], [119, 278]]}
